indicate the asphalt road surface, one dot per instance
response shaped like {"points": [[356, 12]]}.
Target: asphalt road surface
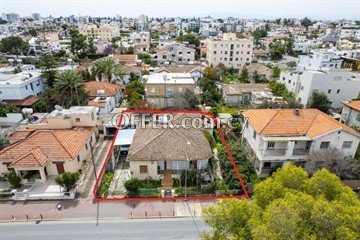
{"points": [[106, 229]]}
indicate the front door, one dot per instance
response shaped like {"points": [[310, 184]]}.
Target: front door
{"points": [[60, 168]]}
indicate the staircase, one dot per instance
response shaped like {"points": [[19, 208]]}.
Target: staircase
{"points": [[167, 181]]}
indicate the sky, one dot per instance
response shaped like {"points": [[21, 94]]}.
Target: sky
{"points": [[318, 9]]}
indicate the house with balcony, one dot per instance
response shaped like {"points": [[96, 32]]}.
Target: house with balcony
{"points": [[279, 136], [176, 53], [165, 90]]}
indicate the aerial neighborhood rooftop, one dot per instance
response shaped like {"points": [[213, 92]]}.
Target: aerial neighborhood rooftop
{"points": [[174, 108]]}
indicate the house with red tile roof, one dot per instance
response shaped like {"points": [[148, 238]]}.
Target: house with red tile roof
{"points": [[103, 95], [60, 143], [279, 136], [350, 114]]}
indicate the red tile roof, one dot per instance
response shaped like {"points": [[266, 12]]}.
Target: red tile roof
{"points": [[109, 88], [309, 122], [354, 104]]}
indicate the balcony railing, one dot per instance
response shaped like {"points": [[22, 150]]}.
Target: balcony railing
{"points": [[282, 152]]}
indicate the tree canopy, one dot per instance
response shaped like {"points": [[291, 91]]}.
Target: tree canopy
{"points": [[319, 101], [289, 205], [13, 45], [191, 38]]}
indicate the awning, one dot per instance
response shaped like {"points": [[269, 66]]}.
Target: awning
{"points": [[285, 139], [124, 137]]}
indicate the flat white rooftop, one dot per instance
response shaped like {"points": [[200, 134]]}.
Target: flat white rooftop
{"points": [[170, 78], [18, 78]]}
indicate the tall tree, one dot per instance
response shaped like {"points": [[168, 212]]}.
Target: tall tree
{"points": [[106, 69], [48, 65], [13, 45], [244, 75], [70, 88], [320, 101]]}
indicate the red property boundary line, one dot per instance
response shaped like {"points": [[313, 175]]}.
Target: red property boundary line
{"points": [[222, 136]]}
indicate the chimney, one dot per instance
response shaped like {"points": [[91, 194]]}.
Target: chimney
{"points": [[297, 112]]}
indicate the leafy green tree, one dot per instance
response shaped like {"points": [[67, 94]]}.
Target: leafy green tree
{"points": [[13, 45], [70, 88], [289, 205], [135, 92], [319, 101], [190, 99], [279, 89], [33, 32], [78, 43], [258, 34], [244, 75], [67, 180], [306, 22], [256, 77], [48, 64], [191, 38]]}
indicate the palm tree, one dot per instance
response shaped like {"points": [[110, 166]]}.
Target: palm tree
{"points": [[106, 68], [70, 86]]}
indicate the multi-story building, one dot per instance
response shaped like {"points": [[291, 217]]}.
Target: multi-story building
{"points": [[103, 33], [350, 114], [280, 136], [176, 53], [165, 90], [230, 51], [140, 41], [318, 59], [11, 17], [348, 43], [335, 83], [142, 23], [20, 86], [349, 32]]}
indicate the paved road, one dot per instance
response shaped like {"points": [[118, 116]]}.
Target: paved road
{"points": [[124, 229]]}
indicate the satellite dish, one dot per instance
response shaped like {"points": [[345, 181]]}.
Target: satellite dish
{"points": [[59, 108]]}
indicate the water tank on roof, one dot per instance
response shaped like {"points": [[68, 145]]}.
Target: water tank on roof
{"points": [[27, 111]]}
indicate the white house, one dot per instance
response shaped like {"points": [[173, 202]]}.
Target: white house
{"points": [[335, 83], [175, 53], [350, 114], [20, 86], [279, 136], [317, 60]]}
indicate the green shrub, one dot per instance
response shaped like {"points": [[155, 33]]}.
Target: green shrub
{"points": [[14, 180], [210, 138], [132, 186], [67, 180], [105, 184]]}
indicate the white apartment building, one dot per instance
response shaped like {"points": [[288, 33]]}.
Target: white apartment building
{"points": [[20, 86], [280, 136], [176, 53], [349, 32], [350, 114], [303, 47], [230, 51], [318, 59], [335, 83]]}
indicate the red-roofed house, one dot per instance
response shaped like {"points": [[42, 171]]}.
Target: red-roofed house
{"points": [[278, 136]]}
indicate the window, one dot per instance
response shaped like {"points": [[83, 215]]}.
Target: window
{"points": [[347, 144], [337, 78], [254, 135], [247, 124], [143, 169], [0, 92], [338, 91], [358, 117], [329, 91], [267, 165], [78, 158], [77, 119], [86, 147], [271, 145], [214, 52], [324, 145], [289, 81]]}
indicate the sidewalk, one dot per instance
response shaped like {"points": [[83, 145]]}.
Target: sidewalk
{"points": [[85, 209]]}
